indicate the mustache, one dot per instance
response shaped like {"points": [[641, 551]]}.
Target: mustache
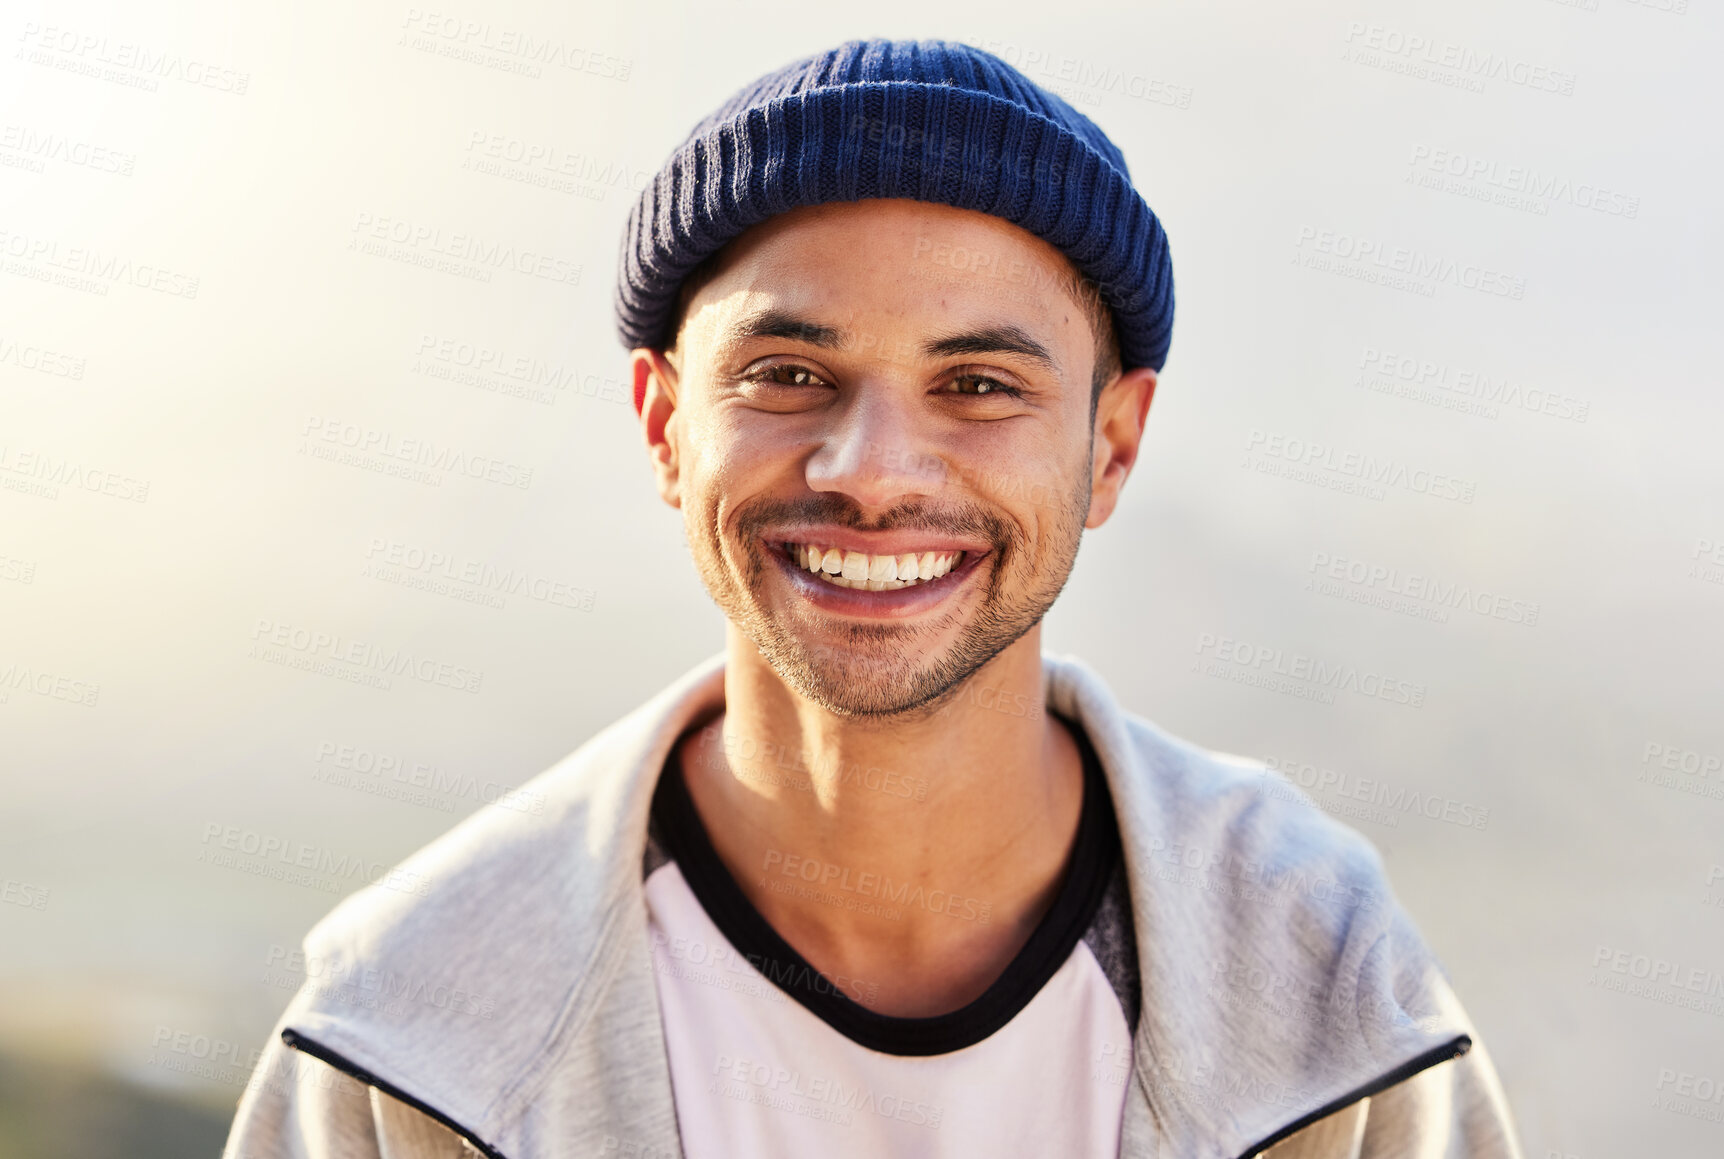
{"points": [[910, 515]]}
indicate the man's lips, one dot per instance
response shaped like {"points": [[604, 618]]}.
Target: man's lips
{"points": [[896, 582], [894, 543], [874, 560]]}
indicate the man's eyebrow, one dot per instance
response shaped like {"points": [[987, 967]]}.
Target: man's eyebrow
{"points": [[783, 324], [1005, 339]]}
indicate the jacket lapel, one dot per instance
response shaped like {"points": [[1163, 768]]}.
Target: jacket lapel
{"points": [[513, 997], [1280, 979]]}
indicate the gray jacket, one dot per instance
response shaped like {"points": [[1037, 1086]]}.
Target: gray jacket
{"points": [[496, 996]]}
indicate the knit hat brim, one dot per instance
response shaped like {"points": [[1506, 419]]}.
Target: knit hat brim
{"points": [[896, 139]]}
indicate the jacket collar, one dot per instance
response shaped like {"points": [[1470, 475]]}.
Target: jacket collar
{"points": [[1281, 980], [1278, 975]]}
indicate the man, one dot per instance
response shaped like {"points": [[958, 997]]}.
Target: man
{"points": [[882, 879]]}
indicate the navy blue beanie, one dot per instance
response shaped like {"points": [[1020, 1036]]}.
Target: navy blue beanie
{"points": [[928, 120]]}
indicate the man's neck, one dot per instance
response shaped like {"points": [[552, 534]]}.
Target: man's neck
{"points": [[824, 819]]}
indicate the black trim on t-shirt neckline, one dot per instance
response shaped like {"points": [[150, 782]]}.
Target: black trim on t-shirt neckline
{"points": [[1095, 849]]}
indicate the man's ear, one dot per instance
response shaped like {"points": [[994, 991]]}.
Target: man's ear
{"points": [[655, 384], [1119, 417]]}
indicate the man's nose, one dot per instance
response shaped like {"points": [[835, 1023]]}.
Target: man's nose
{"points": [[874, 452]]}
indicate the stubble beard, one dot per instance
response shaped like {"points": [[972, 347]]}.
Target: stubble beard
{"points": [[887, 671]]}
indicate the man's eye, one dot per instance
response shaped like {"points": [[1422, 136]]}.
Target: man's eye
{"points": [[787, 374], [981, 384]]}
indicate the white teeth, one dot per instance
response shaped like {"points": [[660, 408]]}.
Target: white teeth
{"points": [[874, 573]]}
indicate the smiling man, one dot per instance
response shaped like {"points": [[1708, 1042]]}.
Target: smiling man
{"points": [[882, 879]]}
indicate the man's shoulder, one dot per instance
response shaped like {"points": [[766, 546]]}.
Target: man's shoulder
{"points": [[553, 855], [499, 858], [1203, 809], [1241, 801]]}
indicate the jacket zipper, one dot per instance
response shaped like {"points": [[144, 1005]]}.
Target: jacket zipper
{"points": [[318, 1051], [1376, 1086]]}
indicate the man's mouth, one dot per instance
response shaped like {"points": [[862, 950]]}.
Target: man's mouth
{"points": [[872, 573]]}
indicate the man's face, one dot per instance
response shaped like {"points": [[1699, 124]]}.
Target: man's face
{"points": [[881, 443]]}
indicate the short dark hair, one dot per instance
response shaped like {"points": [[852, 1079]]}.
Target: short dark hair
{"points": [[1082, 290]]}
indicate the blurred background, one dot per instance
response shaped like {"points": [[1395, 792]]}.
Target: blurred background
{"points": [[1442, 407]]}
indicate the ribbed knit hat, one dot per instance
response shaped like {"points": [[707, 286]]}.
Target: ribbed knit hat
{"points": [[928, 120]]}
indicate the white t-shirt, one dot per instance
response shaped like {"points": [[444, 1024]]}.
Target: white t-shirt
{"points": [[771, 1060]]}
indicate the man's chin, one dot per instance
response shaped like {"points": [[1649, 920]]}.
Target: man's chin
{"points": [[884, 685]]}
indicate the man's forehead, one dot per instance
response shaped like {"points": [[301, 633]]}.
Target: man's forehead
{"points": [[838, 277]]}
